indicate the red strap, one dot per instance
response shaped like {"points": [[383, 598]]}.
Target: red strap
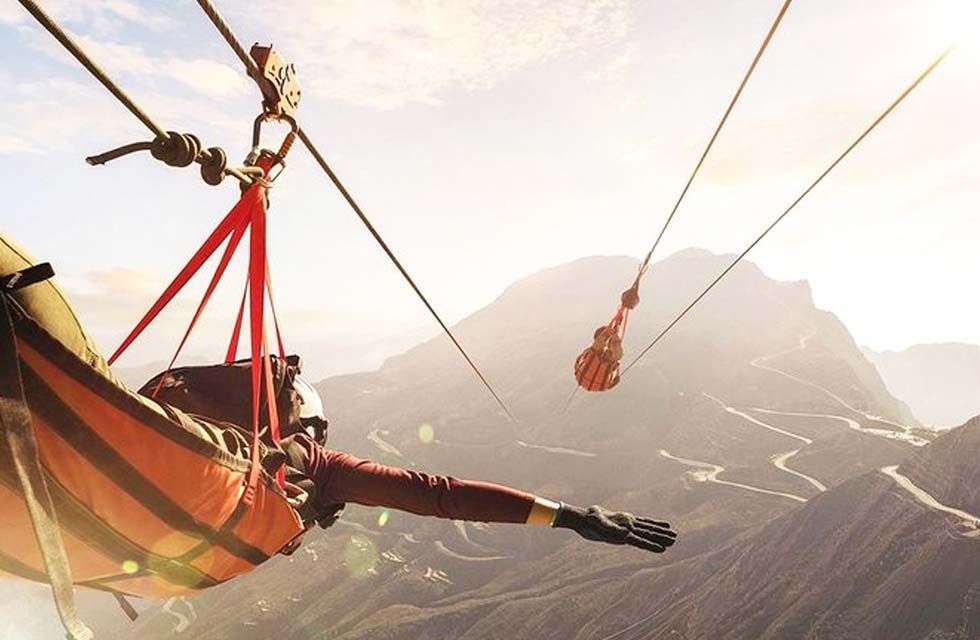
{"points": [[272, 305], [232, 246], [250, 211], [273, 407], [236, 333], [220, 233], [256, 320]]}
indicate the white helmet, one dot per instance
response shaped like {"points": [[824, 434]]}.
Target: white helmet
{"points": [[312, 405]]}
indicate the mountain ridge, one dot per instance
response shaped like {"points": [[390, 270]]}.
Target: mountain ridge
{"points": [[754, 345]]}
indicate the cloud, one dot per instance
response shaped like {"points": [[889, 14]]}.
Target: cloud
{"points": [[11, 13], [105, 15], [395, 52], [55, 112], [207, 77], [390, 54], [52, 114]]}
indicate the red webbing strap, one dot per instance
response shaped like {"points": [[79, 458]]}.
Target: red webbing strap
{"points": [[232, 353], [220, 233], [230, 248], [273, 408], [248, 214], [260, 357], [272, 306]]}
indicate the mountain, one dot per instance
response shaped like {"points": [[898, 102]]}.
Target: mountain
{"points": [[865, 560], [757, 406], [938, 381]]}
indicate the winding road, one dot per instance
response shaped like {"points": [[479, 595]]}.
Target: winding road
{"points": [[709, 473], [375, 436], [968, 521], [558, 450], [778, 460], [900, 436], [449, 553], [903, 435], [183, 621]]}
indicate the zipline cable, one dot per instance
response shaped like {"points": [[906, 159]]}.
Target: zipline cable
{"points": [[253, 70], [792, 206], [167, 142], [598, 367], [74, 49], [714, 136]]}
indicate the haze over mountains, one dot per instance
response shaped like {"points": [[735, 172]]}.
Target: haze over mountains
{"points": [[757, 428], [940, 382]]}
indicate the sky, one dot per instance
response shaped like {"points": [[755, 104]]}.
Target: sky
{"points": [[490, 139]]}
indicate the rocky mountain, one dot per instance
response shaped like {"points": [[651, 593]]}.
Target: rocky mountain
{"points": [[757, 410], [889, 554], [940, 382]]}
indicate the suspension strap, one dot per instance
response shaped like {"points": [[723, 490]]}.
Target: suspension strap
{"points": [[18, 430], [249, 214]]}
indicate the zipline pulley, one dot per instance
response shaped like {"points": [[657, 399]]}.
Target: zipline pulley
{"points": [[277, 81]]}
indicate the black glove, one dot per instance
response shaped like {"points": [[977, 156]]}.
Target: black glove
{"points": [[614, 527]]}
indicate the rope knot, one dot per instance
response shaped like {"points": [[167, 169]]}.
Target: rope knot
{"points": [[631, 297], [176, 149], [213, 164]]}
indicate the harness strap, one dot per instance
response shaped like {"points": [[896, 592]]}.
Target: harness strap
{"points": [[26, 277], [126, 606], [18, 430]]}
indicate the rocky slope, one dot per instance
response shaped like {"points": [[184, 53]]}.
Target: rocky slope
{"points": [[755, 405]]}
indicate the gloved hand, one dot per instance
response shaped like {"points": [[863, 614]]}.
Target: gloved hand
{"points": [[615, 527]]}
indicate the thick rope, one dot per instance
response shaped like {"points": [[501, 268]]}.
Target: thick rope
{"points": [[792, 206], [253, 70], [714, 136]]}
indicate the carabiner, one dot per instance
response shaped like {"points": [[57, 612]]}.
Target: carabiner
{"points": [[278, 157]]}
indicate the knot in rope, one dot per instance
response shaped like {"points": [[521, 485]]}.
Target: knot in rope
{"points": [[176, 149], [631, 297], [213, 164]]}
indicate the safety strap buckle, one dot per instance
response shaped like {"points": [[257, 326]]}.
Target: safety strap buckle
{"points": [[278, 82]]}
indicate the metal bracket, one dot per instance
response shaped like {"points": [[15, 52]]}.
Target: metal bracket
{"points": [[278, 82]]}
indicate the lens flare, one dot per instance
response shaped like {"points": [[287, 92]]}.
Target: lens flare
{"points": [[426, 433], [130, 567], [384, 517]]}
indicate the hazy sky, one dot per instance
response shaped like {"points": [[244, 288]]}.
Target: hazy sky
{"points": [[489, 139]]}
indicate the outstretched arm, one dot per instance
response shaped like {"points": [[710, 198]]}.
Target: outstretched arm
{"points": [[341, 477]]}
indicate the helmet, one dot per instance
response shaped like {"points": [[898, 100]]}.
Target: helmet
{"points": [[311, 404]]}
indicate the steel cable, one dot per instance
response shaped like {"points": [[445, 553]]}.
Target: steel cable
{"points": [[792, 206], [253, 70], [714, 136], [91, 66]]}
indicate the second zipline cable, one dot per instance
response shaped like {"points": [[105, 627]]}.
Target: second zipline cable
{"points": [[786, 212]]}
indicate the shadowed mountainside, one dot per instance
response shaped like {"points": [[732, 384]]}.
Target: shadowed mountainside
{"points": [[756, 404]]}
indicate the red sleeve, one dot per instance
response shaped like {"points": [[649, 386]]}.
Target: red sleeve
{"points": [[341, 477]]}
